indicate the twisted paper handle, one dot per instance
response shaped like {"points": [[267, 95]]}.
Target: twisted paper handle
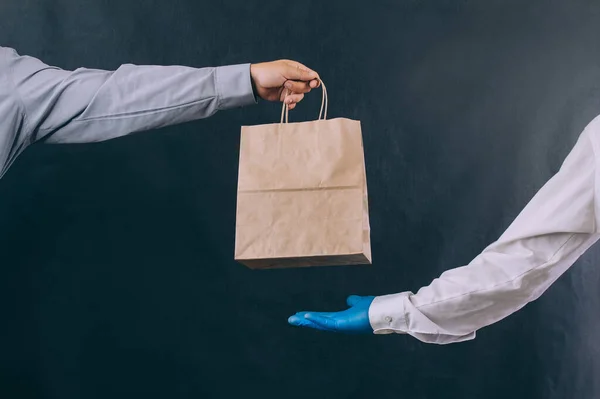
{"points": [[285, 109]]}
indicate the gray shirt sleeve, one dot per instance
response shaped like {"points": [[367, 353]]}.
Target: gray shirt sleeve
{"points": [[42, 102]]}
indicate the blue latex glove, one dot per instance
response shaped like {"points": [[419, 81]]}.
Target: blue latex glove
{"points": [[352, 320]]}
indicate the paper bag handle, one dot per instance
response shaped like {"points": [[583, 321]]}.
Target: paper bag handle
{"points": [[324, 102]]}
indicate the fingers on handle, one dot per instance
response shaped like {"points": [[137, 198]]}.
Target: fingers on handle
{"points": [[298, 87], [294, 98], [297, 71]]}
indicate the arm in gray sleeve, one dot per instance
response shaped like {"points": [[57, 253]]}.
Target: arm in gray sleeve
{"points": [[557, 226], [90, 105]]}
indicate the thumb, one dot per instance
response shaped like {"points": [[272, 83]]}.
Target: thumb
{"points": [[353, 300], [297, 71]]}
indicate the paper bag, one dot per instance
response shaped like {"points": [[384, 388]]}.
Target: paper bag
{"points": [[302, 194]]}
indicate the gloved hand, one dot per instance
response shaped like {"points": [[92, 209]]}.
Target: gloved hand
{"points": [[352, 320]]}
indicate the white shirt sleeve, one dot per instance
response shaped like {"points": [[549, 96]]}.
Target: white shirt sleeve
{"points": [[557, 226]]}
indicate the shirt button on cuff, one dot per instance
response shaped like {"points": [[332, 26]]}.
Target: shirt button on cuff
{"points": [[388, 319]]}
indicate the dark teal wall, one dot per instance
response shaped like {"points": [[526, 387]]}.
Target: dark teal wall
{"points": [[117, 277]]}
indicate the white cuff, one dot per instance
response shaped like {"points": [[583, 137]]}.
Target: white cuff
{"points": [[387, 314]]}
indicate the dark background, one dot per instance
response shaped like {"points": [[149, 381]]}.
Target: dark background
{"points": [[117, 277]]}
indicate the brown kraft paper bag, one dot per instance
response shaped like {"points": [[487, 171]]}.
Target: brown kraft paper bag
{"points": [[302, 194]]}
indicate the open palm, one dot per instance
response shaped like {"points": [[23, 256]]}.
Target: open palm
{"points": [[352, 320]]}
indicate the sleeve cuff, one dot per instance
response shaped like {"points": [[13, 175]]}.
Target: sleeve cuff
{"points": [[387, 314], [234, 86]]}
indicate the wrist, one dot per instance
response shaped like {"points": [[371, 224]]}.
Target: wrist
{"points": [[233, 85], [253, 84]]}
